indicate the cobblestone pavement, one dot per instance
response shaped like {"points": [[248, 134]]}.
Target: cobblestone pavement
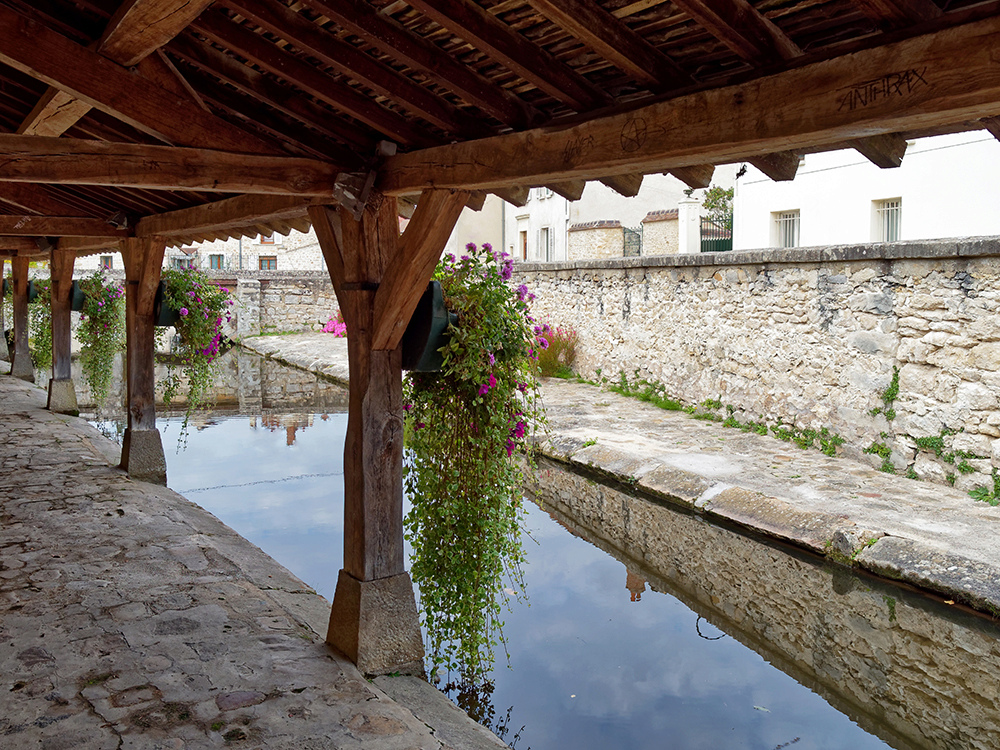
{"points": [[929, 535], [131, 618]]}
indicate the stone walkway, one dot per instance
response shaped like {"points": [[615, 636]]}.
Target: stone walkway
{"points": [[929, 535], [131, 618]]}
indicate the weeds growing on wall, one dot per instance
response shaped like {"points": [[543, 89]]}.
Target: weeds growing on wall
{"points": [[556, 361], [464, 424]]}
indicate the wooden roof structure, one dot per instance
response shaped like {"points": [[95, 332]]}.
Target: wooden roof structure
{"points": [[198, 120]]}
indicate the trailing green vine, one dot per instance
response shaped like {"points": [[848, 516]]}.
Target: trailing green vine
{"points": [[465, 485], [889, 396], [40, 325], [101, 332]]}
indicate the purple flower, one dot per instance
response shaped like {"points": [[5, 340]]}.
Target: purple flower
{"points": [[518, 431], [493, 380], [184, 311], [493, 360], [484, 389], [192, 294], [543, 342], [407, 407], [510, 448], [471, 247]]}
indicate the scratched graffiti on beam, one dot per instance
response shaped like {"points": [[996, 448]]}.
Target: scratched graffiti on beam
{"points": [[889, 86], [577, 147]]}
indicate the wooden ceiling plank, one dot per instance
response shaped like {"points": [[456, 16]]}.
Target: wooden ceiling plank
{"points": [[627, 185], [254, 84], [698, 176], [353, 63], [29, 158], [35, 200], [896, 14], [360, 19], [161, 70], [571, 190], [52, 58], [220, 29], [490, 35], [225, 215], [614, 41], [57, 226], [922, 82], [780, 166], [884, 151], [739, 26]]}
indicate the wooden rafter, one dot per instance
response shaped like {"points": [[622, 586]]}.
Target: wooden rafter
{"points": [[571, 190], [352, 62], [627, 185], [885, 151], [992, 124], [52, 58], [56, 226], [35, 200], [696, 176], [219, 28], [361, 19], [68, 161], [469, 21], [780, 166], [137, 29], [612, 39], [922, 82], [224, 215], [893, 14], [738, 25]]}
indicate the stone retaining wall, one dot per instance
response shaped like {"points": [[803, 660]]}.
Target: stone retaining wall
{"points": [[809, 336], [281, 302]]}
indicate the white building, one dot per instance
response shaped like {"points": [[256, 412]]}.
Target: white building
{"points": [[947, 186]]}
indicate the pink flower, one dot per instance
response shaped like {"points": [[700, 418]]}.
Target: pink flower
{"points": [[184, 311], [510, 448], [484, 389], [493, 380]]}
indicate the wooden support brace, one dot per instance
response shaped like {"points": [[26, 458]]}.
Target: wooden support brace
{"points": [[20, 362], [62, 393], [142, 449]]}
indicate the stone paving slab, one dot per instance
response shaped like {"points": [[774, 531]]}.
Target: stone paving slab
{"points": [[132, 618], [930, 535]]}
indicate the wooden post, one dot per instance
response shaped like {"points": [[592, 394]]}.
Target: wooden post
{"points": [[142, 449], [20, 361], [374, 618], [4, 351], [62, 393]]}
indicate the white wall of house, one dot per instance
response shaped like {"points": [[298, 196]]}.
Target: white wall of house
{"points": [[948, 186], [485, 225]]}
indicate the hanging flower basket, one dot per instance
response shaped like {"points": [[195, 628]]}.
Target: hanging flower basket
{"points": [[163, 313], [427, 332]]}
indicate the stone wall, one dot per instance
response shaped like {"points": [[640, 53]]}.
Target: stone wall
{"points": [[277, 301], [659, 233], [809, 336], [596, 239], [912, 671]]}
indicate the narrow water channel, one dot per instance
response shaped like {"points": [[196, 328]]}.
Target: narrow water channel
{"points": [[647, 627]]}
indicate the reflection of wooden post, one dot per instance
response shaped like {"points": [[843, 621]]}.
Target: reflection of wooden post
{"points": [[142, 449], [378, 278], [4, 351], [62, 394], [20, 365]]}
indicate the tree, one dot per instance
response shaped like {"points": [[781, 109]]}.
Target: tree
{"points": [[718, 202]]}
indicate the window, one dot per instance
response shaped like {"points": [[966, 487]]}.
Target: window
{"points": [[545, 243], [267, 239], [886, 216], [107, 262], [216, 262], [182, 263], [522, 241], [786, 228], [267, 262]]}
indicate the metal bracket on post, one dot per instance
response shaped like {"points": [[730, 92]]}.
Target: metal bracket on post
{"points": [[352, 189]]}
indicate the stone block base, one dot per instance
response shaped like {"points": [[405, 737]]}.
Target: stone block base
{"points": [[21, 367], [62, 397], [375, 624], [142, 456]]}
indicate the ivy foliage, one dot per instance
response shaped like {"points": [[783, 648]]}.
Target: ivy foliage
{"points": [[101, 332], [40, 325], [464, 424]]}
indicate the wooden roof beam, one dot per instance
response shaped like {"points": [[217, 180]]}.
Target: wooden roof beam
{"points": [[29, 158], [353, 63], [52, 58], [225, 215], [627, 185], [884, 151], [895, 14], [494, 38], [221, 29], [137, 29], [923, 82], [614, 41], [362, 20], [57, 226], [739, 26], [698, 176]]}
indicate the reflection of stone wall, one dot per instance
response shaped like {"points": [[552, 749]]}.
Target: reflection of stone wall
{"points": [[807, 336], [915, 673]]}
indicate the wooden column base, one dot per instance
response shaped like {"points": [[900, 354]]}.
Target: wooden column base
{"points": [[142, 456], [375, 624], [62, 397]]}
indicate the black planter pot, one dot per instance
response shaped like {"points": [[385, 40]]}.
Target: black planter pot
{"points": [[32, 291], [6, 287], [427, 332], [77, 298], [163, 314]]}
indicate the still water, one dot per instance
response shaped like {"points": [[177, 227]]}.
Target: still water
{"points": [[647, 627]]}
